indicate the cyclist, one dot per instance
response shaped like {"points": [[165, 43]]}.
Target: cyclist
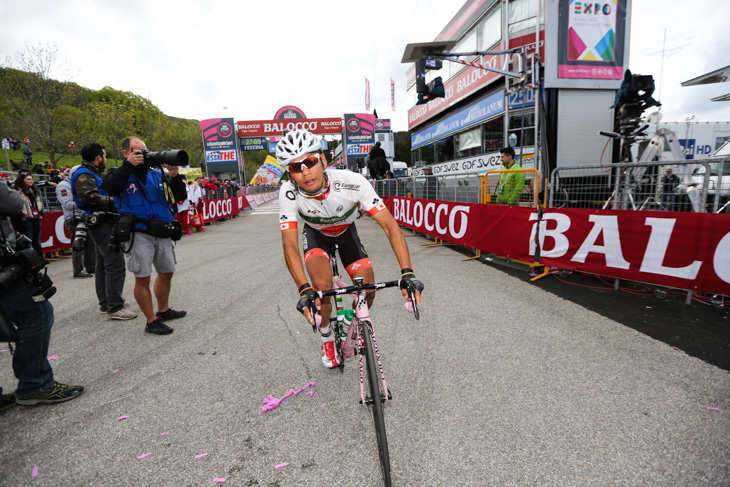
{"points": [[327, 200]]}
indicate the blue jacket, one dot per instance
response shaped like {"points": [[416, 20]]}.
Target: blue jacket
{"points": [[99, 181], [153, 206]]}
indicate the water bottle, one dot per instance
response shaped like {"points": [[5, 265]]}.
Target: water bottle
{"points": [[348, 346]]}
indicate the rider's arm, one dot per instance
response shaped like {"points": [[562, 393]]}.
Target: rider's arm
{"points": [[290, 242]]}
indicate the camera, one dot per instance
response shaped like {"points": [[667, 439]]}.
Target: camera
{"points": [[79, 242], [26, 264], [169, 157]]}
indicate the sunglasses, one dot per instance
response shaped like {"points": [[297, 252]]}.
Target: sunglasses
{"points": [[310, 162]]}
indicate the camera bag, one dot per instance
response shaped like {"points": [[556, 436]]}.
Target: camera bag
{"points": [[123, 227]]}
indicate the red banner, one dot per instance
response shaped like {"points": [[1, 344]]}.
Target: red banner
{"points": [[682, 250], [267, 128], [54, 235], [222, 208]]}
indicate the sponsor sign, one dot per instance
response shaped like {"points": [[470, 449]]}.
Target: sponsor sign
{"points": [[289, 112], [359, 149], [488, 107], [464, 84], [686, 251], [267, 128], [254, 143], [268, 174], [520, 97], [218, 134], [591, 40], [212, 156], [54, 235], [222, 208]]}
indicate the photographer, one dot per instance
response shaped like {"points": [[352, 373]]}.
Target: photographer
{"points": [[82, 255], [148, 194], [32, 317], [86, 185]]}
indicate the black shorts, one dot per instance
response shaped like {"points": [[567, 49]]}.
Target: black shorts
{"points": [[352, 253]]}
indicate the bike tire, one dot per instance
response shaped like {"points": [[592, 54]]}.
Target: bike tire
{"points": [[377, 405]]}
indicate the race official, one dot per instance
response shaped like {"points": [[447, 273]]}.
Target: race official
{"points": [[89, 195], [144, 192]]}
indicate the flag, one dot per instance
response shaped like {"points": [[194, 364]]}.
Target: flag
{"points": [[367, 95], [392, 94]]}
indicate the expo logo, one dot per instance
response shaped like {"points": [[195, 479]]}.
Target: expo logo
{"points": [[588, 8], [379, 124]]}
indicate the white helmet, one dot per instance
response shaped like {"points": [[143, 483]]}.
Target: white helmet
{"points": [[295, 144]]}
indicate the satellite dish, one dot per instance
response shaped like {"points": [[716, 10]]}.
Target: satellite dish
{"points": [[654, 118]]}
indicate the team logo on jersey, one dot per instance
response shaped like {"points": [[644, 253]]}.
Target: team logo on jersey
{"points": [[131, 189], [290, 195], [339, 185], [339, 208]]}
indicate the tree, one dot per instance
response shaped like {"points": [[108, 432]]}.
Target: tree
{"points": [[42, 109], [402, 147]]}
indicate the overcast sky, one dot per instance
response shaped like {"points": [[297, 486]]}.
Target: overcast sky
{"points": [[246, 59]]}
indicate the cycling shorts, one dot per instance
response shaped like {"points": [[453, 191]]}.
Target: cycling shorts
{"points": [[352, 253]]}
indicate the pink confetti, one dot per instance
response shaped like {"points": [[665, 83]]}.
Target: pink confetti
{"points": [[272, 403], [34, 473], [713, 409], [163, 434], [323, 404], [281, 465], [201, 455], [311, 393], [3, 351], [126, 382], [145, 455], [122, 417], [297, 333], [219, 480], [53, 357]]}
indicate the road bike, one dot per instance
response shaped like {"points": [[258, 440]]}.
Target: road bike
{"points": [[362, 332]]}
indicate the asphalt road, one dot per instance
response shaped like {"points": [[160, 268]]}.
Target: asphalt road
{"points": [[502, 382]]}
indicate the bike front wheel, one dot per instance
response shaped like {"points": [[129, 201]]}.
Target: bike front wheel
{"points": [[377, 403]]}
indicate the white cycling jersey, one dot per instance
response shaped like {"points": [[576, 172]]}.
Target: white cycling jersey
{"points": [[333, 211]]}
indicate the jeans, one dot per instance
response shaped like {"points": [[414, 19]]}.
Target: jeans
{"points": [[110, 269], [34, 322], [668, 201], [31, 228], [82, 258]]}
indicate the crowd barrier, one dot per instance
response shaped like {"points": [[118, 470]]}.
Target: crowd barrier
{"points": [[683, 250]]}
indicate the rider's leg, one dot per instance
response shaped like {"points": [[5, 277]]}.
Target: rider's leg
{"points": [[320, 275], [363, 268]]}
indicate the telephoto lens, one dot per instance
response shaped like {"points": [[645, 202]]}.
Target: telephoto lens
{"points": [[169, 157], [79, 242]]}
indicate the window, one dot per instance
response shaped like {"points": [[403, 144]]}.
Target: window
{"points": [[489, 29], [522, 15], [469, 143], [493, 135], [467, 44], [423, 156], [444, 149], [515, 126]]}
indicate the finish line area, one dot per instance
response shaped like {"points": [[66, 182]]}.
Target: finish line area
{"points": [[500, 382]]}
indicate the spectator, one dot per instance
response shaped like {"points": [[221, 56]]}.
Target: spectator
{"points": [[390, 184], [183, 212], [56, 178], [29, 224], [72, 216], [510, 184], [378, 162], [34, 320], [196, 199], [669, 187], [89, 195], [138, 185], [431, 192], [72, 148]]}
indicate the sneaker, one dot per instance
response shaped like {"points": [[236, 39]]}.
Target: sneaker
{"points": [[7, 401], [171, 314], [122, 314], [330, 358], [83, 274], [103, 311], [186, 234], [57, 392], [158, 328]]}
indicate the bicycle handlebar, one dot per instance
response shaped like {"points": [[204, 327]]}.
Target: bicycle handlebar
{"points": [[359, 287]]}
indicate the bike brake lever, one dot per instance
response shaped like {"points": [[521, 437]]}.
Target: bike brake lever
{"points": [[312, 312], [412, 295]]}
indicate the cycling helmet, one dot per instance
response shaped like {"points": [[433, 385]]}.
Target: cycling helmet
{"points": [[295, 144]]}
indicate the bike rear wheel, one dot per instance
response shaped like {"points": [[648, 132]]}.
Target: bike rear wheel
{"points": [[377, 403]]}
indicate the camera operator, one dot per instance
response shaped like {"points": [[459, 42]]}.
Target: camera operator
{"points": [[99, 207], [83, 250], [148, 194], [20, 283]]}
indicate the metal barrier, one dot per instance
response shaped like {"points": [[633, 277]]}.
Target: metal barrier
{"points": [[632, 186]]}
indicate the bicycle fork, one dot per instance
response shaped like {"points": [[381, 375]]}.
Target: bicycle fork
{"points": [[360, 352]]}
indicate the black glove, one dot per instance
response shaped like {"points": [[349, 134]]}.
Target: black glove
{"points": [[408, 279], [306, 292]]}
